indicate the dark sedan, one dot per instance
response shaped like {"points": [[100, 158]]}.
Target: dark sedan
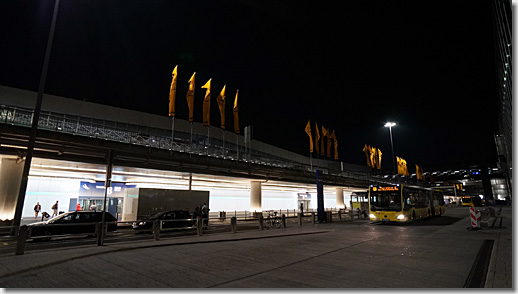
{"points": [[171, 219], [74, 222]]}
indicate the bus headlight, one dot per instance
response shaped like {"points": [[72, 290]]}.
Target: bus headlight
{"points": [[372, 216], [401, 217]]}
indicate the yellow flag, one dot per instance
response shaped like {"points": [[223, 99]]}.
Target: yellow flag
{"points": [[236, 115], [324, 134], [367, 150], [379, 159], [373, 156], [172, 92], [335, 144], [329, 137], [206, 104], [221, 105], [308, 131], [317, 138], [190, 97], [419, 172]]}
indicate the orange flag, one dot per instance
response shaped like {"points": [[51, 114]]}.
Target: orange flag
{"points": [[317, 138], [221, 105], [236, 115], [206, 104], [190, 97], [308, 131], [172, 92]]}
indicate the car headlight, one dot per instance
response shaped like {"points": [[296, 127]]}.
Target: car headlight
{"points": [[372, 216], [141, 223], [401, 217]]}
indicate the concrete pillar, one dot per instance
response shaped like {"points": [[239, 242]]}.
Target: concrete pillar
{"points": [[255, 196], [10, 179], [340, 198]]}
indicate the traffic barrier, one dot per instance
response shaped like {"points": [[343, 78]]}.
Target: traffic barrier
{"points": [[475, 217]]}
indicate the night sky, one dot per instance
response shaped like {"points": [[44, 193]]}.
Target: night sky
{"points": [[428, 66]]}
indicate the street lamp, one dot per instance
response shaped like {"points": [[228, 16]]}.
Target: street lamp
{"points": [[390, 125]]}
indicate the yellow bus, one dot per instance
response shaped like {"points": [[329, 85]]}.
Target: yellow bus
{"points": [[403, 203], [471, 201]]}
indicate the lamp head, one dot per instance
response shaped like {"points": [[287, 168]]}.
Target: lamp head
{"points": [[390, 124]]}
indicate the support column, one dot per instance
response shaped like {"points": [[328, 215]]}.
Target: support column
{"points": [[255, 196], [340, 198], [10, 179]]}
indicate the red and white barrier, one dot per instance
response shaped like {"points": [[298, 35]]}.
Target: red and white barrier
{"points": [[475, 217]]}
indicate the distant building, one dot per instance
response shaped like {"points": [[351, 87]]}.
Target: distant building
{"points": [[502, 22]]}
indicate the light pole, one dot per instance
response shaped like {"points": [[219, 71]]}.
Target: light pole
{"points": [[390, 125]]}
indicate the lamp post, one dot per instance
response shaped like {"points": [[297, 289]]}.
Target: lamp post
{"points": [[390, 125]]}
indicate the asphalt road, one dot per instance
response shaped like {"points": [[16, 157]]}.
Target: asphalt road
{"points": [[434, 253]]}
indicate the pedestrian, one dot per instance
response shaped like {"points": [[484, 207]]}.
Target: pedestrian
{"points": [[302, 208], [55, 209], [93, 207], [205, 215], [197, 213], [78, 206], [37, 209]]}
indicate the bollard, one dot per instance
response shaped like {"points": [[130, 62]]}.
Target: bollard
{"points": [[22, 238], [339, 214], [300, 219], [156, 230], [261, 222], [99, 233], [283, 219], [233, 224], [313, 216], [199, 228]]}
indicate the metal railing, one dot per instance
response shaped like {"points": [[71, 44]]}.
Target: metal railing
{"points": [[153, 138]]}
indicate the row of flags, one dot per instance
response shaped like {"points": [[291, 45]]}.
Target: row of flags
{"points": [[206, 101], [373, 156], [319, 141]]}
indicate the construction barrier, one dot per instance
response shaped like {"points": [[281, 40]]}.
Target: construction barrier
{"points": [[475, 217]]}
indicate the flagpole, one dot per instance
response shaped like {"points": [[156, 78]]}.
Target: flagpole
{"points": [[190, 152], [223, 143], [172, 134], [311, 160], [208, 139], [237, 146]]}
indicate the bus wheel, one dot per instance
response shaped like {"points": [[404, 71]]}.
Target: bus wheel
{"points": [[413, 216]]}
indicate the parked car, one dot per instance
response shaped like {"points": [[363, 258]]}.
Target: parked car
{"points": [[171, 218], [74, 222]]}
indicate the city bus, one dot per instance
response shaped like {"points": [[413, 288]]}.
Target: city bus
{"points": [[471, 201], [403, 203]]}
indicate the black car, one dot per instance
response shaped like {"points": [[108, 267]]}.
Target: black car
{"points": [[74, 222], [172, 219]]}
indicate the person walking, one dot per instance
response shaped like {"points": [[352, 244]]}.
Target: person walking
{"points": [[78, 206], [55, 209], [37, 209], [93, 207], [205, 216]]}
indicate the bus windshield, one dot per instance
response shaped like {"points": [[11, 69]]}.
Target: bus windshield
{"points": [[385, 201]]}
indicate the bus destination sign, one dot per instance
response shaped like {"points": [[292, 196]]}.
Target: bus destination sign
{"points": [[388, 188]]}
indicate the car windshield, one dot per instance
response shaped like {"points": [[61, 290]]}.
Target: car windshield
{"points": [[385, 201], [58, 217]]}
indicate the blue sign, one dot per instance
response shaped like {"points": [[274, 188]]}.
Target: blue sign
{"points": [[96, 190]]}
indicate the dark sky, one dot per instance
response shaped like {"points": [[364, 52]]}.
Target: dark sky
{"points": [[428, 66]]}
